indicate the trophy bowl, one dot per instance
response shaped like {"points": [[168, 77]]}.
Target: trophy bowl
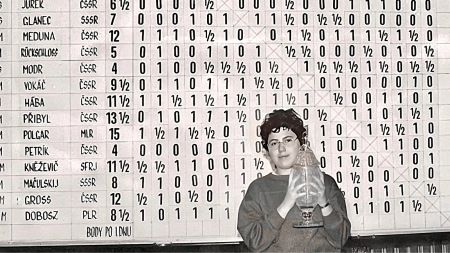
{"points": [[304, 171]]}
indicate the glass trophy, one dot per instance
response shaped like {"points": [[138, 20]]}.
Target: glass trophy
{"points": [[305, 169]]}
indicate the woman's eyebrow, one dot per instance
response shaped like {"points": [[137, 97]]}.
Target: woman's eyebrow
{"points": [[287, 136], [272, 139]]}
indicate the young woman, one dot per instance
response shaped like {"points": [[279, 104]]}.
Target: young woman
{"points": [[268, 209]]}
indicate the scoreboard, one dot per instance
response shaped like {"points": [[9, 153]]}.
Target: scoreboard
{"points": [[133, 121]]}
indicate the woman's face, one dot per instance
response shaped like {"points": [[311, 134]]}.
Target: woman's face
{"points": [[280, 152]]}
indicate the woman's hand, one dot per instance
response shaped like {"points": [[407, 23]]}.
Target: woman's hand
{"points": [[292, 193], [322, 199], [319, 185]]}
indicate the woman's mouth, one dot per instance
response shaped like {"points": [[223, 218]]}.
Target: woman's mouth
{"points": [[283, 156]]}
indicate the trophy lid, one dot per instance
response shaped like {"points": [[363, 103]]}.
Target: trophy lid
{"points": [[306, 156]]}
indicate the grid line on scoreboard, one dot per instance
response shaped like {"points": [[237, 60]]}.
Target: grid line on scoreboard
{"points": [[273, 51], [433, 205], [355, 129], [406, 169], [446, 221], [417, 189], [290, 66], [306, 81], [385, 159], [337, 113], [322, 98], [224, 3], [370, 145], [255, 34]]}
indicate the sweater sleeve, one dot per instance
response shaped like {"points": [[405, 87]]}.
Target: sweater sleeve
{"points": [[337, 225], [258, 230]]}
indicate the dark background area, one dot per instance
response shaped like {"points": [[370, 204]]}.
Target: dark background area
{"points": [[430, 242]]}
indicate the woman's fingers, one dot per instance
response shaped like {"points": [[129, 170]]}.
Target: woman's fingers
{"points": [[298, 188], [317, 187]]}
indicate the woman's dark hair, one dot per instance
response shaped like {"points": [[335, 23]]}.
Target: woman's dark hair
{"points": [[278, 119]]}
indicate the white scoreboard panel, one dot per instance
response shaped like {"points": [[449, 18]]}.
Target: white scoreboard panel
{"points": [[132, 121]]}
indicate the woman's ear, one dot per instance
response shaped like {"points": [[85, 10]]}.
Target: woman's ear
{"points": [[267, 156]]}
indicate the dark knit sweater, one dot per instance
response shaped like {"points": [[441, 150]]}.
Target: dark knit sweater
{"points": [[263, 229]]}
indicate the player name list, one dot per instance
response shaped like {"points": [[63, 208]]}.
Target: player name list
{"points": [[133, 120]]}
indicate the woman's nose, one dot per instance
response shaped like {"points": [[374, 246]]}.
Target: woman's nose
{"points": [[281, 147]]}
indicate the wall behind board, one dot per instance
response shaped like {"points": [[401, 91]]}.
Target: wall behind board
{"points": [[137, 122]]}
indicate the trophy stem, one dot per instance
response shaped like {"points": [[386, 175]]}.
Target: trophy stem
{"points": [[307, 222]]}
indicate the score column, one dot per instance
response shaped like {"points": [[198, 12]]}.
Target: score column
{"points": [[142, 162], [88, 131], [160, 124], [119, 102]]}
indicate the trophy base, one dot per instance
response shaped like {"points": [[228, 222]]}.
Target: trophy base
{"points": [[311, 224]]}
